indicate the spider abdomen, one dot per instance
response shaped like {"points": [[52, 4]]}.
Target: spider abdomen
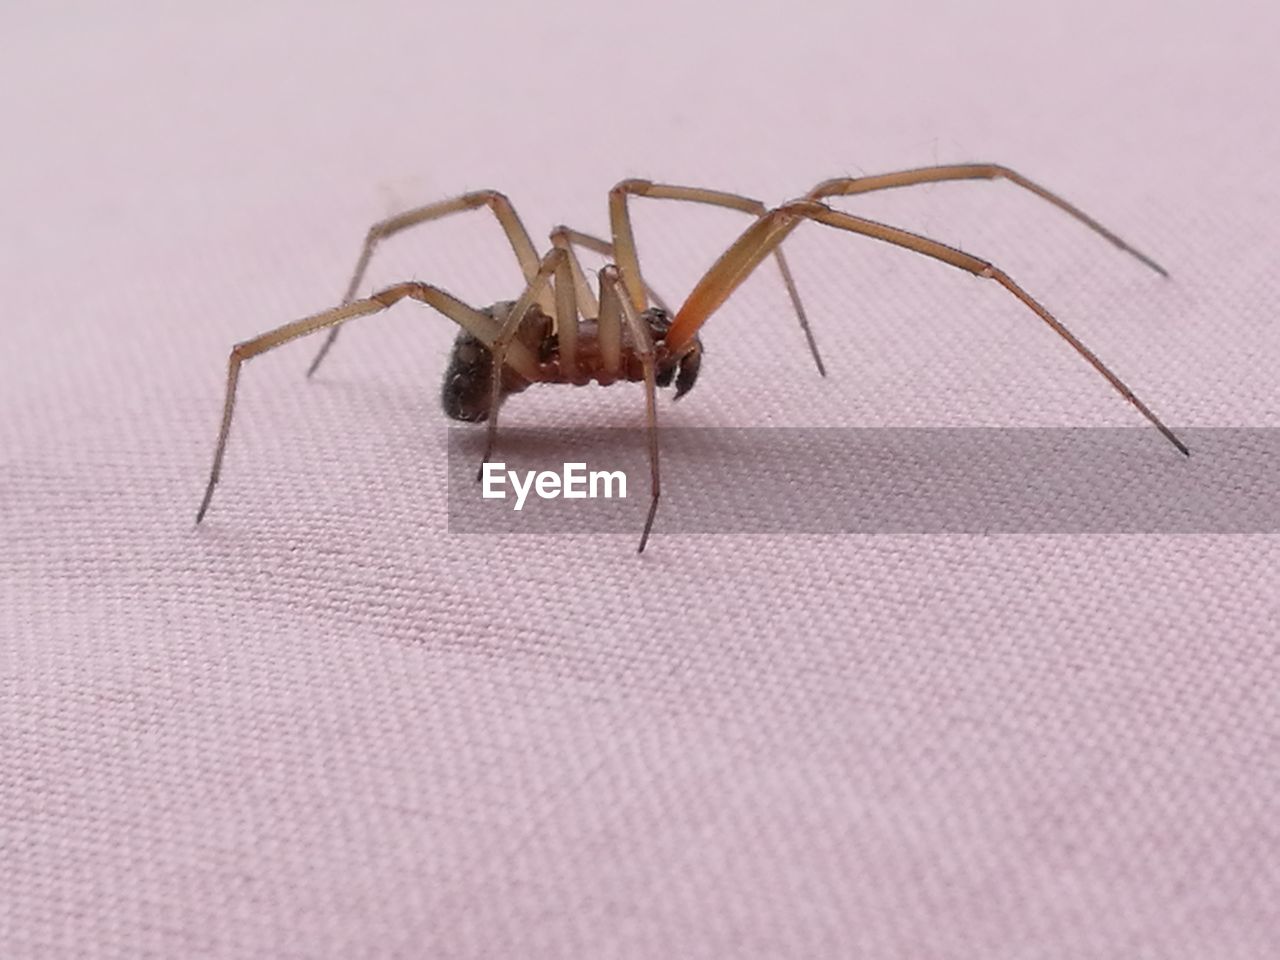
{"points": [[467, 393]]}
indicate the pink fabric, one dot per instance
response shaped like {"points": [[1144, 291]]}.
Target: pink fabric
{"points": [[320, 726]]}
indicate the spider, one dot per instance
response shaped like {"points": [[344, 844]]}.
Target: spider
{"points": [[540, 338]]}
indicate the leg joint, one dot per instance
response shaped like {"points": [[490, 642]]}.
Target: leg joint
{"points": [[392, 295], [799, 208], [493, 199], [636, 186]]}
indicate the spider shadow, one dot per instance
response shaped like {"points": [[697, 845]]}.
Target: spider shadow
{"points": [[886, 480]]}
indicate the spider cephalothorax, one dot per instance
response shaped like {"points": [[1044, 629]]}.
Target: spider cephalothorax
{"points": [[467, 391], [563, 331]]}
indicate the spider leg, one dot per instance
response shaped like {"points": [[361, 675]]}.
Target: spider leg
{"points": [[505, 342], [568, 238], [502, 209], [766, 233], [567, 313], [609, 325], [611, 281], [847, 186], [481, 325], [628, 257], [562, 238]]}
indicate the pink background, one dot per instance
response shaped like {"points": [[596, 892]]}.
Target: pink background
{"points": [[321, 726]]}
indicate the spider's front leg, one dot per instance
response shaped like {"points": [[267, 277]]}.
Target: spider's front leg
{"points": [[767, 233], [848, 186]]}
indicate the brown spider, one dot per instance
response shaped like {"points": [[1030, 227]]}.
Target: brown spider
{"points": [[540, 339]]}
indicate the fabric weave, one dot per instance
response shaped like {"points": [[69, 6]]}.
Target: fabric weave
{"points": [[321, 726]]}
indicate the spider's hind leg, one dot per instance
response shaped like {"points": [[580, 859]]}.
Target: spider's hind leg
{"points": [[477, 323]]}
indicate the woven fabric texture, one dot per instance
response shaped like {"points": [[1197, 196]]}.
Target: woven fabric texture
{"points": [[321, 725]]}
